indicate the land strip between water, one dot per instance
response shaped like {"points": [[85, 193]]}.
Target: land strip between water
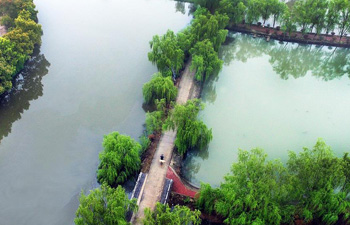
{"points": [[296, 37], [157, 173]]}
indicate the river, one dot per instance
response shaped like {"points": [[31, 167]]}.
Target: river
{"points": [[85, 82], [276, 96]]}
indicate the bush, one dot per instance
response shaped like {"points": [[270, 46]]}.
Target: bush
{"points": [[119, 160]]}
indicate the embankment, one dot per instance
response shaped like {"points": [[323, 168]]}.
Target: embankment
{"points": [[297, 37]]}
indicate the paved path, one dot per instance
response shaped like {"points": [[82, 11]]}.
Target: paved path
{"points": [[157, 173], [2, 30]]}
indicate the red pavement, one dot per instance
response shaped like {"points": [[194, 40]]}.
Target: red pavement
{"points": [[178, 186]]}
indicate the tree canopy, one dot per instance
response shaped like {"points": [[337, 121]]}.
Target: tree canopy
{"points": [[166, 54], [314, 186], [119, 160], [191, 132], [159, 88], [164, 215], [104, 206], [18, 44], [205, 60]]}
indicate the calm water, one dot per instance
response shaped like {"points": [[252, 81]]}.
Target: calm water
{"points": [[275, 96], [85, 82]]}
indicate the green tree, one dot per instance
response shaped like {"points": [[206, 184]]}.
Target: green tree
{"points": [[119, 160], [316, 174], [234, 9], [159, 88], [208, 26], [254, 191], [332, 16], [191, 132], [205, 60], [104, 206], [288, 24], [344, 16], [277, 11], [253, 11], [164, 215], [166, 54], [207, 198], [301, 13], [155, 119]]}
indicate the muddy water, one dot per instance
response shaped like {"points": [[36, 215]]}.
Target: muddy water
{"points": [[85, 82]]}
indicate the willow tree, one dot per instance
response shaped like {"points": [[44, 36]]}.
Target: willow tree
{"points": [[254, 190], [119, 160], [211, 27], [234, 9], [159, 88], [166, 54], [104, 206], [319, 178], [205, 60], [164, 215], [191, 132]]}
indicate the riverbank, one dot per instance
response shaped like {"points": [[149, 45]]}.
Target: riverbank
{"points": [[296, 37]]}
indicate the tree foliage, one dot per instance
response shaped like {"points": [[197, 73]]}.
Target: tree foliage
{"points": [[155, 119], [313, 186], [191, 132], [159, 88], [104, 206], [205, 60], [208, 26], [164, 215], [119, 160], [18, 44], [316, 175], [166, 54]]}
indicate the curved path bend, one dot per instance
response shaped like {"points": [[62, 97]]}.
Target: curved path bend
{"points": [[157, 173]]}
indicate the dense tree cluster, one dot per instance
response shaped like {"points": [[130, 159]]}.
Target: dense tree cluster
{"points": [[18, 44], [104, 206], [313, 186], [201, 40], [119, 160], [319, 16], [164, 215], [191, 132]]}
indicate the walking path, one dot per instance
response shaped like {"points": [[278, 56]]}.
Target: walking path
{"points": [[157, 173], [2, 30]]}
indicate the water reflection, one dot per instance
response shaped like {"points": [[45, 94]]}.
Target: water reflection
{"points": [[27, 87], [180, 7], [289, 59], [191, 167]]}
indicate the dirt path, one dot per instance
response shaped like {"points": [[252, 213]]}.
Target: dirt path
{"points": [[157, 173]]}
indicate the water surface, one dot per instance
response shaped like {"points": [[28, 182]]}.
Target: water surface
{"points": [[85, 82], [276, 96]]}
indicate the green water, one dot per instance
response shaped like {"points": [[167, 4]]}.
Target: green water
{"points": [[277, 96], [84, 83]]}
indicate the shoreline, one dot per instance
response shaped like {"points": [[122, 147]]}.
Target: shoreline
{"points": [[295, 37]]}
